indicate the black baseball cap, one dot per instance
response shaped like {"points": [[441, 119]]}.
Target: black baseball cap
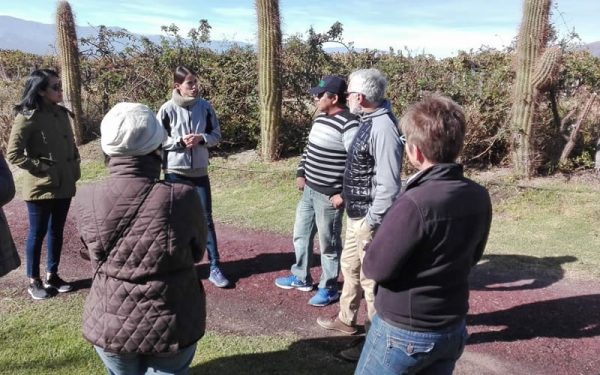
{"points": [[332, 84]]}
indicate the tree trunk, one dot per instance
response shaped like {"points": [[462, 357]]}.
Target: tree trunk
{"points": [[575, 132], [535, 67], [269, 76], [70, 71], [597, 158]]}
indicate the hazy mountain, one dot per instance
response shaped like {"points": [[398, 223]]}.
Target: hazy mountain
{"points": [[594, 48], [40, 38]]}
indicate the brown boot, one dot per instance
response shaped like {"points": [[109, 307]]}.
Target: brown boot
{"points": [[336, 325]]}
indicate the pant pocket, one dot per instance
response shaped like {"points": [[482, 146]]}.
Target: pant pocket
{"points": [[403, 353], [364, 234]]}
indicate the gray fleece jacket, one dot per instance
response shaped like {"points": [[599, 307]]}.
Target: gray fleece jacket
{"points": [[372, 178], [198, 118]]}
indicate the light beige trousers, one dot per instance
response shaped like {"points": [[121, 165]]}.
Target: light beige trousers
{"points": [[358, 234]]}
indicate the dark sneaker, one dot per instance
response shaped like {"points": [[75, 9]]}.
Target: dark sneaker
{"points": [[352, 354], [216, 277], [37, 291], [336, 324], [55, 282], [324, 297], [293, 282]]}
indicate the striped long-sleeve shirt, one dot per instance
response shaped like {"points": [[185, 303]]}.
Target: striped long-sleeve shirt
{"points": [[324, 158]]}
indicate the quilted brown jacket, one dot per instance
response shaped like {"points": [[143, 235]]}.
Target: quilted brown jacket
{"points": [[145, 297], [9, 258]]}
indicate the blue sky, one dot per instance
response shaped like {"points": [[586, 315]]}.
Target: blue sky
{"points": [[440, 27]]}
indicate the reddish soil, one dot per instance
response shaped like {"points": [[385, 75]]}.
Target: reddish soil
{"points": [[520, 322]]}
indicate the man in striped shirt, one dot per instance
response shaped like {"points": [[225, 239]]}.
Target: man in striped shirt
{"points": [[320, 178]]}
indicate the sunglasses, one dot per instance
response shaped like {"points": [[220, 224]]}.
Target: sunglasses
{"points": [[56, 87]]}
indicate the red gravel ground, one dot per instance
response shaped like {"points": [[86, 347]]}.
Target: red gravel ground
{"points": [[520, 322]]}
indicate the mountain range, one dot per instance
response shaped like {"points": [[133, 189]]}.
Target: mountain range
{"points": [[39, 38]]}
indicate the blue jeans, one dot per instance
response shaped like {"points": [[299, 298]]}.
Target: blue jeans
{"points": [[137, 364], [315, 213], [202, 186], [393, 350], [46, 217]]}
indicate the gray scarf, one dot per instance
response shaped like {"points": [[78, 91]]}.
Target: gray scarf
{"points": [[183, 101]]}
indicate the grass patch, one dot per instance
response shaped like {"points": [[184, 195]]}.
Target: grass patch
{"points": [[45, 338], [92, 170], [256, 195], [550, 222], [542, 224]]}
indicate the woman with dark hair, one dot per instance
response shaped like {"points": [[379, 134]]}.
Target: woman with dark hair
{"points": [[192, 127], [41, 142]]}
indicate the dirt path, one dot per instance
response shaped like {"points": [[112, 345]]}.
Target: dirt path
{"points": [[520, 322]]}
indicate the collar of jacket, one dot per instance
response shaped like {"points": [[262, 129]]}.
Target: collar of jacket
{"points": [[442, 171], [46, 108], [383, 109], [183, 101], [135, 166]]}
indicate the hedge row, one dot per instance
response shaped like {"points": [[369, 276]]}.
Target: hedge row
{"points": [[117, 66]]}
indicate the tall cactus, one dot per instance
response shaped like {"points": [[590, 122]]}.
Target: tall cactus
{"points": [[536, 67], [69, 61], [269, 75]]}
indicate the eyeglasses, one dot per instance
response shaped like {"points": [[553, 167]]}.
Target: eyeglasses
{"points": [[348, 93], [56, 87]]}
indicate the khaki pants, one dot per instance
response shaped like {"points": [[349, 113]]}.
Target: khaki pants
{"points": [[358, 234]]}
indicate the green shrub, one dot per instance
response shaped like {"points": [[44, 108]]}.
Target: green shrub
{"points": [[119, 66]]}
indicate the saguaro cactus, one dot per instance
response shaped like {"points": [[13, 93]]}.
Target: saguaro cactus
{"points": [[269, 76], [66, 38], [536, 66]]}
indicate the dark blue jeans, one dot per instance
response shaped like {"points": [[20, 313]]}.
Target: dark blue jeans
{"points": [[46, 219], [392, 350], [202, 186]]}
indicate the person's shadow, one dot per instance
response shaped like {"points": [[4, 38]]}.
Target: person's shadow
{"points": [[242, 268], [565, 318], [259, 264], [306, 356], [517, 272]]}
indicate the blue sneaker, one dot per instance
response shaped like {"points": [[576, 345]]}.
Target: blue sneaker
{"points": [[216, 277], [292, 282], [324, 297]]}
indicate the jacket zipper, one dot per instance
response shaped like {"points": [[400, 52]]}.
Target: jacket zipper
{"points": [[191, 149]]}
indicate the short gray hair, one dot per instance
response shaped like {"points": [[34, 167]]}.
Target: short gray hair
{"points": [[369, 82]]}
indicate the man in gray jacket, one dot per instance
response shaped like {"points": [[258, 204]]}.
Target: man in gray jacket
{"points": [[371, 183]]}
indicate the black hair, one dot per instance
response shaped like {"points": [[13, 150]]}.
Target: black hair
{"points": [[37, 81], [180, 73]]}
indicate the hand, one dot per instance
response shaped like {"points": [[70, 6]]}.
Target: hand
{"points": [[337, 201], [191, 140], [300, 182]]}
